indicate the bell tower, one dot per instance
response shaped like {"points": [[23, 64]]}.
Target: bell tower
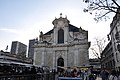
{"points": [[61, 29]]}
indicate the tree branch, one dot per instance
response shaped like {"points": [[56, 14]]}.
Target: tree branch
{"points": [[116, 3], [103, 15], [102, 7]]}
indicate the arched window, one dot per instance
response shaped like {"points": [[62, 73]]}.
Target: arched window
{"points": [[60, 36]]}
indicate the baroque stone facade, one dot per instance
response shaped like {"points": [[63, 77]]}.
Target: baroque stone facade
{"points": [[65, 45]]}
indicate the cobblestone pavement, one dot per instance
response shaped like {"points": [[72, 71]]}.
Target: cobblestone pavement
{"points": [[98, 78]]}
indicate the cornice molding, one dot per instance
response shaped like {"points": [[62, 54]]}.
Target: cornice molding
{"points": [[60, 45]]}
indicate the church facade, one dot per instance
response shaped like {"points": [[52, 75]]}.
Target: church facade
{"points": [[65, 46]]}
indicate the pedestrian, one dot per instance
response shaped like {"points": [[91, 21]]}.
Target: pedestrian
{"points": [[33, 70], [91, 76], [85, 75], [104, 74], [113, 75], [74, 73], [118, 75]]}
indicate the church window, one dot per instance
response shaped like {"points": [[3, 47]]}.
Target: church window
{"points": [[60, 36]]}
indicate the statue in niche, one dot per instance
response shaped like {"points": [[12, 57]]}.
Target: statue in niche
{"points": [[36, 40], [80, 29], [41, 36]]}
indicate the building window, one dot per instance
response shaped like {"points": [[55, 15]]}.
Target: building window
{"points": [[118, 47], [60, 36], [117, 57], [117, 35], [113, 63]]}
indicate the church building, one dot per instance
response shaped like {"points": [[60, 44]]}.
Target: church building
{"points": [[64, 46]]}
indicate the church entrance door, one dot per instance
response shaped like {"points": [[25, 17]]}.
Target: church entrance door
{"points": [[60, 64]]}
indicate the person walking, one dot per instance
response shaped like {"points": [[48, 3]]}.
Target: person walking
{"points": [[118, 75], [104, 75], [113, 75]]}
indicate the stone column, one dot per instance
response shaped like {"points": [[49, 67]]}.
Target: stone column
{"points": [[54, 60], [43, 58], [76, 57], [55, 35], [65, 58], [34, 59], [65, 34]]}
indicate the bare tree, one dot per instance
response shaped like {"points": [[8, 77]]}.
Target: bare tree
{"points": [[98, 47], [102, 8]]}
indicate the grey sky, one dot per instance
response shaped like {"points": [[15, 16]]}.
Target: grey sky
{"points": [[21, 20]]}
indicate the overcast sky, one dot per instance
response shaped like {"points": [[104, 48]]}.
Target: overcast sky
{"points": [[21, 20]]}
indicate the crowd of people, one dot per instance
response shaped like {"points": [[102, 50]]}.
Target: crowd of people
{"points": [[75, 73], [87, 74], [91, 74], [110, 75]]}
